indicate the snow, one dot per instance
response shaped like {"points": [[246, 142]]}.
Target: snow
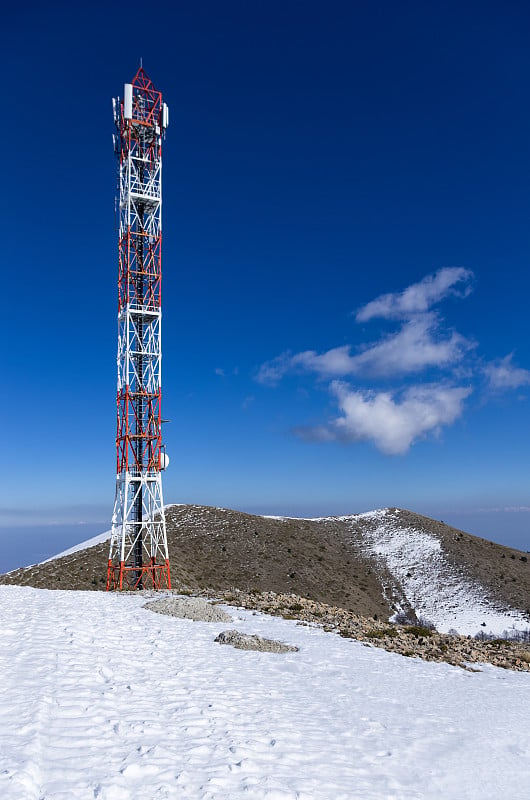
{"points": [[377, 513], [99, 539], [432, 585], [105, 699]]}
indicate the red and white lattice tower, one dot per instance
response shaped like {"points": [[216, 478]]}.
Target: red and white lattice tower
{"points": [[138, 555]]}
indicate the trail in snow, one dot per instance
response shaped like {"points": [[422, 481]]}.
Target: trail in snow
{"points": [[104, 699], [432, 585]]}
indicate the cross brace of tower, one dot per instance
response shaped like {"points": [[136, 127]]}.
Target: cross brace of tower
{"points": [[138, 556]]}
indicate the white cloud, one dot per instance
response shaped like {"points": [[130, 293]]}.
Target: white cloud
{"points": [[416, 346], [395, 419], [331, 364], [419, 343], [502, 374], [271, 372], [419, 297], [392, 425], [334, 363]]}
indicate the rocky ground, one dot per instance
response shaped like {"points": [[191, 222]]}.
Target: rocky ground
{"points": [[407, 640]]}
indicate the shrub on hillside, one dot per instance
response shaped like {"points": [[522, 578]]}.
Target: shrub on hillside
{"points": [[426, 623], [405, 617], [512, 635], [409, 617], [380, 633], [418, 631]]}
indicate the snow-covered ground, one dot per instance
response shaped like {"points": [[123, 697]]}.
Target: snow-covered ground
{"points": [[432, 585], [104, 699]]}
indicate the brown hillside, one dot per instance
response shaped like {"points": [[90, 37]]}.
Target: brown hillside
{"points": [[323, 560]]}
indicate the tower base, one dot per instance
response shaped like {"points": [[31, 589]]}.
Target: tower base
{"points": [[150, 576], [138, 555]]}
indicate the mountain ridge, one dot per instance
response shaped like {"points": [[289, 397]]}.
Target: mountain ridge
{"points": [[374, 564]]}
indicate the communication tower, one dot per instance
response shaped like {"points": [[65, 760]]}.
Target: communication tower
{"points": [[138, 555]]}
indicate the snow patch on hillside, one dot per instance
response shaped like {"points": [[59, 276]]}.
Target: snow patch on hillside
{"points": [[101, 537], [432, 585]]}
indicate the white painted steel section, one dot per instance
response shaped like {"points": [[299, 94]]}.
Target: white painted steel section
{"points": [[125, 530], [130, 345]]}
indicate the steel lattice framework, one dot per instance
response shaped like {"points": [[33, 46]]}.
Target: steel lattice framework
{"points": [[138, 555]]}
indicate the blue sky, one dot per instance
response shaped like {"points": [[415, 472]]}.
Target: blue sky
{"points": [[346, 244]]}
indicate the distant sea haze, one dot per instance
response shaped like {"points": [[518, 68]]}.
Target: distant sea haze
{"points": [[31, 544], [510, 528]]}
